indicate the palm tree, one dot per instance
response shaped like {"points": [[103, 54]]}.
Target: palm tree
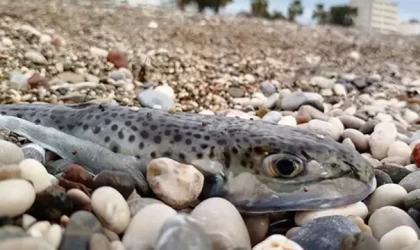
{"points": [[295, 9], [320, 14]]}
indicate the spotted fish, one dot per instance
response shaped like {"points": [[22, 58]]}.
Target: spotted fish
{"points": [[266, 167]]}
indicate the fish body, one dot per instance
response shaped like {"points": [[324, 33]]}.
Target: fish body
{"points": [[268, 167]]}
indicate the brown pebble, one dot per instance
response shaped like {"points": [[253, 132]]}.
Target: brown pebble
{"points": [[257, 227], [76, 173], [120, 181], [10, 172], [117, 58], [99, 242], [111, 235], [64, 220], [67, 185]]}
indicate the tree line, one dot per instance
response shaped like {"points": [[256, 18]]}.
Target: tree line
{"points": [[338, 15]]}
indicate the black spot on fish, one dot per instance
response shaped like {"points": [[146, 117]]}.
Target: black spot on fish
{"points": [[243, 163], [96, 130], [222, 142], [234, 150], [206, 137], [114, 127], [166, 154], [85, 126], [53, 117], [114, 115], [153, 127], [131, 138], [127, 123], [70, 126], [141, 145], [188, 141], [115, 148], [211, 155], [134, 128], [204, 146], [198, 136], [107, 121], [37, 121], [106, 139], [121, 134], [181, 156], [144, 134], [157, 139], [153, 154], [199, 155], [227, 158], [177, 137], [89, 117], [167, 132], [189, 133]]}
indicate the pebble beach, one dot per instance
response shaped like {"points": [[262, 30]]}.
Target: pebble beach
{"points": [[359, 89]]}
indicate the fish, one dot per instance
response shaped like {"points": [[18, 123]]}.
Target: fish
{"points": [[266, 167]]}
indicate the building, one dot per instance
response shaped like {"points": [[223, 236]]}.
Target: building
{"points": [[409, 28], [376, 15]]}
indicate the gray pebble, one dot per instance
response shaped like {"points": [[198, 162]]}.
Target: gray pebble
{"points": [[412, 199], [9, 232], [182, 232], [268, 88], [368, 127], [33, 151], [397, 173], [411, 182], [139, 203], [414, 214], [17, 80], [151, 98], [325, 233], [381, 177], [272, 116], [116, 75], [293, 101]]}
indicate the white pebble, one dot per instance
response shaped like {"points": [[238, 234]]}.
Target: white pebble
{"points": [[35, 172], [277, 242], [401, 149], [288, 120], [111, 208], [54, 235], [382, 137], [17, 196], [398, 238], [389, 194], [324, 128], [39, 229]]}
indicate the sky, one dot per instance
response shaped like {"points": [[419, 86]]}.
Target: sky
{"points": [[408, 8]]}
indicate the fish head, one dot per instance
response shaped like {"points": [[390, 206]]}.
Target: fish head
{"points": [[297, 170]]}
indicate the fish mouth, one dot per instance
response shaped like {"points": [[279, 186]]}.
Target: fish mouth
{"points": [[316, 196]]}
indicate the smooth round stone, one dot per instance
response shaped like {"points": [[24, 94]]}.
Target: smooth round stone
{"points": [[386, 195], [294, 100], [396, 172], [268, 88], [350, 121], [118, 245], [27, 221], [81, 226], [368, 127], [292, 231], [411, 182], [17, 197], [32, 243], [277, 241], [360, 241], [272, 116], [78, 174], [120, 181], [400, 149], [395, 217], [348, 143], [381, 177], [34, 151], [236, 92], [360, 223], [112, 236], [322, 82], [39, 229], [359, 140], [398, 238], [51, 204], [182, 232], [325, 232], [99, 242], [324, 128], [54, 235], [138, 204], [145, 226], [10, 153], [112, 209], [356, 209], [150, 98], [223, 223], [35, 172], [80, 199], [257, 226], [381, 139], [167, 90], [412, 200], [395, 160], [10, 232], [175, 183], [414, 246], [287, 120], [411, 167]]}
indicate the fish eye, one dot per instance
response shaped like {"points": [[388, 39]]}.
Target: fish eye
{"points": [[283, 167]]}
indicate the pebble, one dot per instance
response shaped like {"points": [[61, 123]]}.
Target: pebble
{"points": [[17, 197], [182, 232], [175, 183], [272, 116], [145, 226], [39, 229], [139, 203], [410, 182], [324, 233], [167, 90], [117, 58], [35, 57], [257, 226], [288, 120], [381, 139], [400, 149], [359, 140], [277, 242], [99, 242], [32, 170], [381, 178], [149, 98], [111, 208], [324, 128], [268, 88], [33, 243], [356, 209], [80, 228], [395, 217], [10, 153], [10, 232], [360, 241], [322, 82], [78, 174], [54, 235], [412, 199], [414, 246], [294, 100], [34, 151], [396, 172], [350, 121], [398, 238], [120, 181], [223, 223], [386, 195]]}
